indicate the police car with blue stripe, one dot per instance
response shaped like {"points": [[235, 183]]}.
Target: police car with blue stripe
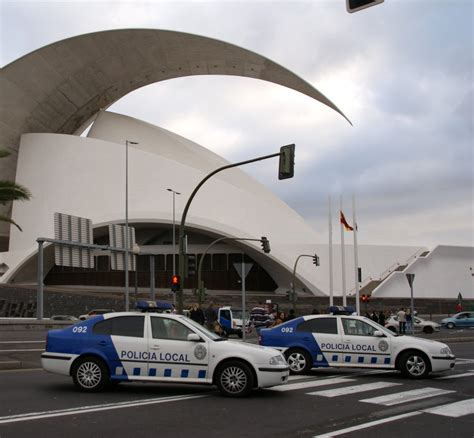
{"points": [[354, 341], [158, 347]]}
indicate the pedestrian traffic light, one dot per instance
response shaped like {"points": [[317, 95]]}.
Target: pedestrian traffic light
{"points": [[316, 260], [357, 5], [287, 162], [363, 298], [175, 283], [190, 265], [265, 244]]}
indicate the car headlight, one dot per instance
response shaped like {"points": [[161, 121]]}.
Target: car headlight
{"points": [[445, 350], [277, 360]]}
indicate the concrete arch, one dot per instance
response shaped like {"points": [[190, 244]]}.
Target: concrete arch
{"points": [[59, 87]]}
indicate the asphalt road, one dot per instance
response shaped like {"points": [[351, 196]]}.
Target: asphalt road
{"points": [[333, 402]]}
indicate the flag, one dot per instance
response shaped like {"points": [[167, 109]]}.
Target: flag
{"points": [[344, 222]]}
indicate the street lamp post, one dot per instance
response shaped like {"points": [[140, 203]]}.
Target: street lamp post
{"points": [[174, 237], [127, 298]]}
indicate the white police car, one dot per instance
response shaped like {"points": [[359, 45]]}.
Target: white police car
{"points": [[354, 341], [134, 346]]}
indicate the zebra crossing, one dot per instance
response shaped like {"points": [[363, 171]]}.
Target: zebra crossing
{"points": [[349, 385]]}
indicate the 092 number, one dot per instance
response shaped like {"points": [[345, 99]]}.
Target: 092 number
{"points": [[287, 329], [79, 329]]}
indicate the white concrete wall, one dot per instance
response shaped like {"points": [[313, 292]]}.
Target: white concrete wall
{"points": [[446, 271]]}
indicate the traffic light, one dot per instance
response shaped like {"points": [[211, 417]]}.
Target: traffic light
{"points": [[265, 244], [175, 283], [316, 260], [359, 275], [363, 298], [287, 162], [289, 295], [190, 265], [357, 5]]}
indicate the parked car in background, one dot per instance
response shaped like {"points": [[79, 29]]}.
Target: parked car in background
{"points": [[461, 319], [419, 324], [69, 318], [95, 312]]}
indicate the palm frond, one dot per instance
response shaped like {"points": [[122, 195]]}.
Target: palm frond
{"points": [[10, 191], [6, 219]]}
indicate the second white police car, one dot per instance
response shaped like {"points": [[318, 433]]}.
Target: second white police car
{"points": [[354, 341], [134, 346]]}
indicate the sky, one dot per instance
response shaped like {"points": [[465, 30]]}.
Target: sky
{"points": [[401, 71]]}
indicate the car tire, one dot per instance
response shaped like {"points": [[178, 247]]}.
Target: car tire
{"points": [[234, 379], [428, 329], [450, 325], [240, 335], [90, 374], [414, 364], [299, 361]]}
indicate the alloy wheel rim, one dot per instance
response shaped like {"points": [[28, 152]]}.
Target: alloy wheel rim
{"points": [[89, 374], [234, 379], [296, 361], [416, 365]]}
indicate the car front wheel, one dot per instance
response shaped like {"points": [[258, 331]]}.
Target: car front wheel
{"points": [[428, 329], [414, 365], [234, 379], [90, 374], [298, 360], [450, 325]]}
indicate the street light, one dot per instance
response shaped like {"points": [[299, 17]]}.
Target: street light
{"points": [[127, 300], [174, 237]]}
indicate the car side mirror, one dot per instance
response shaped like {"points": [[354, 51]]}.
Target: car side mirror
{"points": [[193, 337], [379, 334]]}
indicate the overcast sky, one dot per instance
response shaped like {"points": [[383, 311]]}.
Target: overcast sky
{"points": [[402, 72]]}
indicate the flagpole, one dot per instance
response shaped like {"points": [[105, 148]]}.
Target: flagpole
{"points": [[331, 291], [356, 258], [343, 260]]}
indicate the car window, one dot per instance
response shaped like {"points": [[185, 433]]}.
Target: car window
{"points": [[357, 328], [319, 325], [121, 326], [225, 314], [164, 328]]}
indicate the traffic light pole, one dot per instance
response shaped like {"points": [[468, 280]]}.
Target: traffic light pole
{"points": [[200, 285], [185, 213], [293, 292]]}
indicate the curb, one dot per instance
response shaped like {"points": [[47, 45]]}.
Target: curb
{"points": [[10, 364]]}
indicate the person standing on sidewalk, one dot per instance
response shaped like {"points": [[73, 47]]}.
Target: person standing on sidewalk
{"points": [[402, 321]]}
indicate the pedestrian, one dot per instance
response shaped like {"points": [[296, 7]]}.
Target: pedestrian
{"points": [[374, 317], [402, 321], [409, 318], [382, 318], [196, 314], [211, 317]]}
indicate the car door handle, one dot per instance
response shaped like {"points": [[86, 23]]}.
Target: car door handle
{"points": [[155, 347], [346, 340], [103, 343]]}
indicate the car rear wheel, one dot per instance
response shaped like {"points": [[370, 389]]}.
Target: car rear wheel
{"points": [[414, 365], [428, 329], [234, 379], [298, 360], [450, 325], [90, 374]]}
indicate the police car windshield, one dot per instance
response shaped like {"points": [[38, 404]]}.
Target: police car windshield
{"points": [[203, 330]]}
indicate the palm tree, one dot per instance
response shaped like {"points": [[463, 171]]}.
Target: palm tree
{"points": [[10, 191]]}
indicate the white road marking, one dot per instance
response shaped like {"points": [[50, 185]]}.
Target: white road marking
{"points": [[96, 408], [367, 425], [464, 360], [346, 390], [406, 396], [457, 376], [310, 384], [22, 351], [455, 410], [292, 378], [22, 342]]}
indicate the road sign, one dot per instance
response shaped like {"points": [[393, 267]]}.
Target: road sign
{"points": [[247, 268], [73, 229], [411, 279]]}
